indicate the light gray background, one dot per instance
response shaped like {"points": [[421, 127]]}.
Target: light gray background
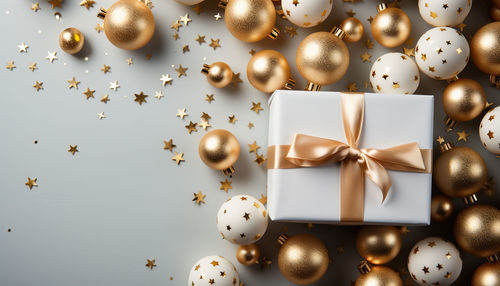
{"points": [[97, 216]]}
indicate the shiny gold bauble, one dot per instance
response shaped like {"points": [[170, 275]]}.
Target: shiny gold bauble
{"points": [[391, 27], [378, 244], [441, 208], [219, 149], [322, 58], [218, 74], [460, 172], [71, 40], [268, 70], [250, 20], [248, 254], [488, 274], [379, 276], [128, 24], [484, 48], [477, 230], [303, 259], [353, 28], [495, 13], [464, 99]]}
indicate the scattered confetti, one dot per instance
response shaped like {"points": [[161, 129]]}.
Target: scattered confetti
{"points": [[169, 145], [51, 56], [150, 264], [140, 98], [199, 198], [73, 149], [225, 185], [31, 183], [181, 113], [462, 136], [178, 158], [215, 44]]}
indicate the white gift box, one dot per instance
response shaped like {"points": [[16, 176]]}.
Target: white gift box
{"points": [[313, 194]]}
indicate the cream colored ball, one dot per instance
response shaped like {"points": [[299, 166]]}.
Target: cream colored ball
{"points": [[213, 270]]}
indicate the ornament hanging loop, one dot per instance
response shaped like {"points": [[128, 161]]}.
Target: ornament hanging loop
{"points": [[381, 7], [364, 267], [102, 13]]}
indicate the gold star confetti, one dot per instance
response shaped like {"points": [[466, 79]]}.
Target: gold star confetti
{"points": [[105, 69], [214, 43], [252, 52], [176, 25], [253, 147], [150, 264], [23, 48], [89, 93], [461, 26], [225, 185], [169, 145], [56, 3], [198, 9], [191, 127], [38, 85], [263, 199], [87, 3], [129, 61], [462, 135], [35, 6], [185, 19], [350, 13], [264, 262], [204, 124], [235, 80], [165, 78], [175, 36], [51, 56], [259, 159], [181, 113], [369, 44], [140, 98], [73, 149], [105, 99], [200, 39], [181, 71], [404, 230], [32, 67], [250, 125], [352, 87], [256, 107], [217, 17], [440, 140], [185, 49], [209, 98], [409, 42], [178, 158], [10, 65], [366, 57], [158, 94], [291, 31], [409, 52], [370, 19], [205, 116], [101, 115], [73, 83], [99, 28], [198, 199], [232, 119], [31, 183]]}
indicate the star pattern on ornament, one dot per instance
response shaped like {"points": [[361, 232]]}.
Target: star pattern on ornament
{"points": [[73, 83], [178, 158], [73, 149], [150, 263], [31, 183], [448, 255], [425, 269], [246, 216], [181, 71], [225, 185], [214, 263], [140, 98], [89, 93], [51, 56], [214, 43], [87, 4], [490, 134], [462, 135], [256, 107], [431, 244]]}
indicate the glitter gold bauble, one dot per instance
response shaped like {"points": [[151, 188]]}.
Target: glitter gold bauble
{"points": [[441, 208], [477, 230], [353, 28], [248, 254], [219, 74], [378, 244], [250, 20], [268, 70], [463, 100], [379, 276], [391, 26], [488, 274], [322, 58], [71, 40], [484, 48], [302, 259], [460, 172], [219, 149], [128, 24]]}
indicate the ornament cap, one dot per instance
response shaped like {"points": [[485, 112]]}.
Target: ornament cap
{"points": [[313, 87], [280, 13], [229, 171], [102, 13], [338, 32], [290, 84], [282, 239], [223, 3], [453, 79], [205, 69], [364, 267], [274, 33], [470, 200], [381, 7], [446, 147], [450, 123], [493, 258], [495, 80]]}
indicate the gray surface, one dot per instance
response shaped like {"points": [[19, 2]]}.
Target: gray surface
{"points": [[97, 216]]}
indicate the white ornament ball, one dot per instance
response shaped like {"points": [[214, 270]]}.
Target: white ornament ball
{"points": [[394, 73], [213, 270], [444, 12], [306, 13], [489, 130], [434, 261], [442, 53], [189, 2], [242, 220]]}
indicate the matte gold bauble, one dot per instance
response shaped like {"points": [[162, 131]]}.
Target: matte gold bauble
{"points": [[250, 20], [248, 254], [219, 149], [378, 244], [477, 230], [128, 24], [488, 274], [379, 276], [71, 40], [484, 48], [441, 208], [353, 28], [460, 172], [391, 26], [495, 13], [268, 70], [302, 259], [464, 99], [218, 74]]}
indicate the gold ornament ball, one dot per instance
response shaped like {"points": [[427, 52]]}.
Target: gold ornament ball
{"points": [[441, 208], [379, 244], [488, 274], [303, 259], [477, 230], [464, 99], [460, 172], [484, 48], [219, 149], [219, 74], [379, 276], [496, 3], [495, 13], [250, 20], [268, 70], [128, 24], [391, 27], [353, 28], [71, 40], [248, 254]]}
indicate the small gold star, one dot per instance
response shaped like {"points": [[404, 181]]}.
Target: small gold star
{"points": [[440, 140], [89, 93], [366, 57], [250, 125], [235, 80], [129, 61], [225, 185], [150, 264], [350, 13], [99, 28], [23, 48], [185, 19], [35, 6], [404, 230], [214, 43], [217, 17], [175, 25], [175, 36], [291, 31], [263, 199], [140, 98], [105, 69], [461, 26], [256, 107], [204, 124], [185, 49], [198, 199], [33, 67], [105, 99], [198, 9], [56, 3], [181, 113], [409, 52], [352, 87], [51, 56], [181, 71], [169, 145], [462, 135], [158, 94], [370, 19], [101, 115], [200, 39], [73, 83], [73, 149], [205, 116], [31, 183], [232, 119], [259, 159], [87, 3], [10, 65], [178, 158], [209, 98], [38, 85], [148, 56], [165, 78], [431, 244], [253, 147], [191, 127]]}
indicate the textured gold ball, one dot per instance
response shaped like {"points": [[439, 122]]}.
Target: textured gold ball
{"points": [[250, 20], [379, 276], [391, 27], [129, 24], [484, 48], [353, 28], [495, 13], [378, 244], [71, 40], [218, 74], [464, 99], [248, 254], [322, 58], [303, 259], [477, 230], [268, 70], [441, 208], [488, 274], [460, 172], [219, 149]]}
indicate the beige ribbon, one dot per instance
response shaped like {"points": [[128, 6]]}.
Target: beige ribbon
{"points": [[310, 151]]}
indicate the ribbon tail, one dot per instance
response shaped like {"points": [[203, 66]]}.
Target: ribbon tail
{"points": [[352, 191], [379, 175]]}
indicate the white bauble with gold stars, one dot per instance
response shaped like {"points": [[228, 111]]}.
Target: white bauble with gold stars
{"points": [[444, 12], [306, 13], [394, 73], [242, 220], [442, 53], [189, 2], [489, 130], [213, 270], [434, 261]]}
